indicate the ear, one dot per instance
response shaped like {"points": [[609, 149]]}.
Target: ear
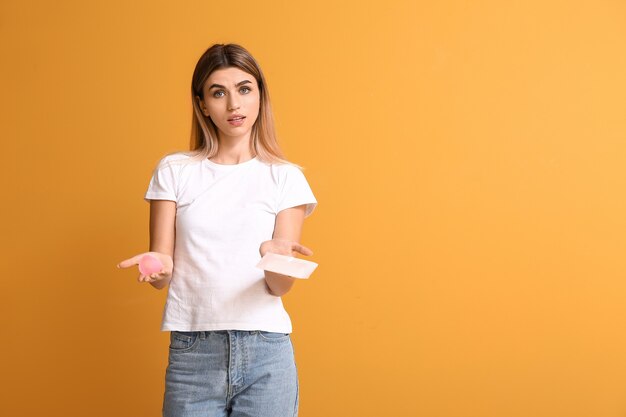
{"points": [[202, 106]]}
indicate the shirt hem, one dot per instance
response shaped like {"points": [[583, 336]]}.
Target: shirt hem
{"points": [[159, 196], [182, 327]]}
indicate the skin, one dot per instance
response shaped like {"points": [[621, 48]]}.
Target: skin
{"points": [[219, 104]]}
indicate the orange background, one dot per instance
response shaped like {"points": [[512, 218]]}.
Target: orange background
{"points": [[469, 163]]}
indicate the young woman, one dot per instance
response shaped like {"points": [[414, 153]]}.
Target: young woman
{"points": [[214, 212]]}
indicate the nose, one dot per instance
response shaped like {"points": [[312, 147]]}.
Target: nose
{"points": [[233, 103]]}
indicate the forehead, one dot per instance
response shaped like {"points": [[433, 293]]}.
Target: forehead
{"points": [[229, 77]]}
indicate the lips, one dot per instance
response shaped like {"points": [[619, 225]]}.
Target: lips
{"points": [[237, 121], [236, 118]]}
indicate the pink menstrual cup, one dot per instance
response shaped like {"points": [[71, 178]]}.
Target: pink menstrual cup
{"points": [[148, 264]]}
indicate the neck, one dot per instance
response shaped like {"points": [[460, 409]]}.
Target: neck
{"points": [[233, 150]]}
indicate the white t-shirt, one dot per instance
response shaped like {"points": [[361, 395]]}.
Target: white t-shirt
{"points": [[223, 214]]}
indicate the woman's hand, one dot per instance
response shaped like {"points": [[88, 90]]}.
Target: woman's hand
{"points": [[283, 247], [165, 273]]}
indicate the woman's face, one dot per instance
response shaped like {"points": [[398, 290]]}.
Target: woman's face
{"points": [[229, 92]]}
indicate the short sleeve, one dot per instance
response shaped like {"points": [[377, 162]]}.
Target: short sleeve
{"points": [[295, 190], [162, 185]]}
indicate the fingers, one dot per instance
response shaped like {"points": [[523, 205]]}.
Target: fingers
{"points": [[302, 249], [147, 278], [135, 261], [130, 262], [284, 246], [156, 276]]}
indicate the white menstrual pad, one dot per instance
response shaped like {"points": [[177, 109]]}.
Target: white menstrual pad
{"points": [[287, 265]]}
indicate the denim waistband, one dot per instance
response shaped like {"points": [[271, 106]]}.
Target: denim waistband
{"points": [[237, 332], [205, 333]]}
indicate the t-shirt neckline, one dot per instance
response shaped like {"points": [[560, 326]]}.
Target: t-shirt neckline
{"points": [[229, 166]]}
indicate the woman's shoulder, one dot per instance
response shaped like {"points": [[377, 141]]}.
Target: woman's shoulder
{"points": [[284, 173], [282, 169], [176, 158], [284, 166]]}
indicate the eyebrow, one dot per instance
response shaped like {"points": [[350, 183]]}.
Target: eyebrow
{"points": [[236, 85]]}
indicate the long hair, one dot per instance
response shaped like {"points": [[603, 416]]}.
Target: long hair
{"points": [[204, 139]]}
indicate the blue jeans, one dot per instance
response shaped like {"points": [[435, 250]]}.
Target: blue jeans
{"points": [[236, 373]]}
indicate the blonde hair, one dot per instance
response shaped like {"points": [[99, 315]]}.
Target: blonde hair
{"points": [[204, 142]]}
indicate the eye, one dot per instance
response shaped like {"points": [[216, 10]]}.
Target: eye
{"points": [[218, 91], [246, 88]]}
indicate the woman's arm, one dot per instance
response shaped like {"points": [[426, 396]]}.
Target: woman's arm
{"points": [[162, 231], [288, 226]]}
